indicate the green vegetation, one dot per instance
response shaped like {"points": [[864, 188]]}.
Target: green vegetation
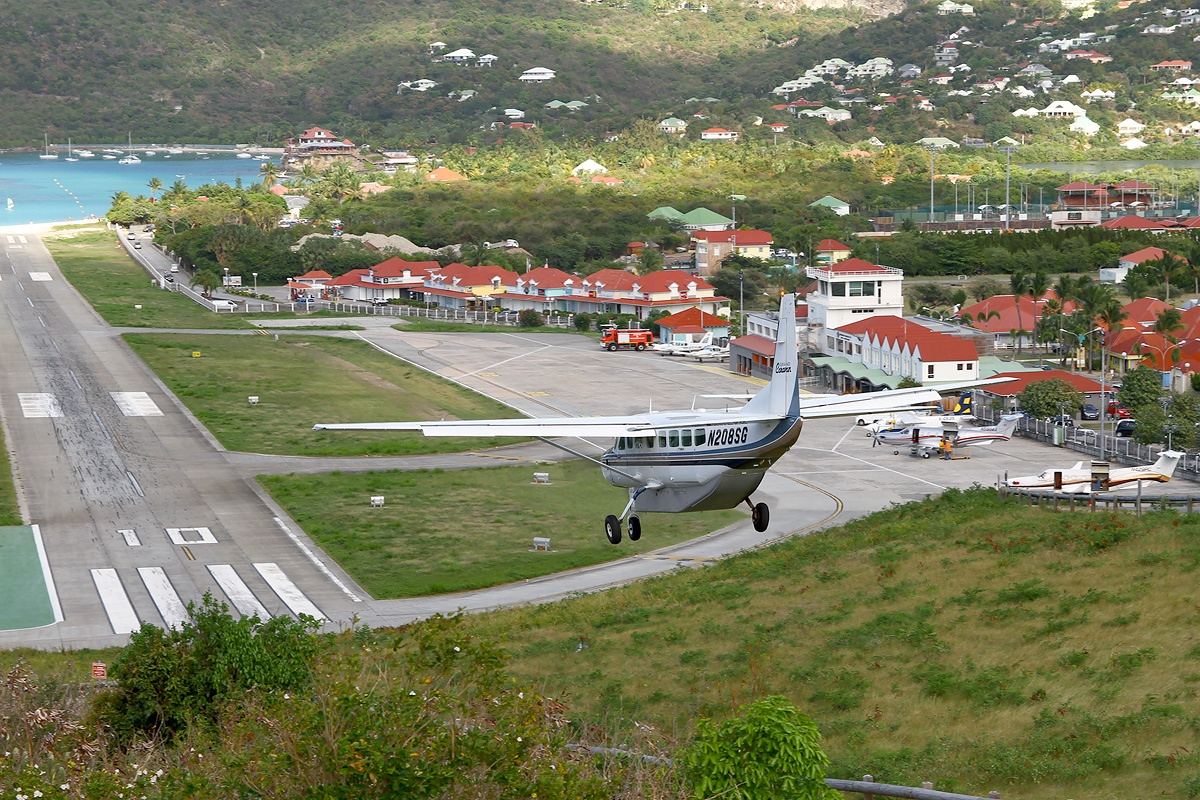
{"points": [[1044, 399], [962, 640], [99, 268], [409, 548], [10, 512], [302, 380]]}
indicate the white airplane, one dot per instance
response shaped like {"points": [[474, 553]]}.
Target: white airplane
{"points": [[710, 354], [684, 348], [962, 412], [928, 437], [1078, 479], [695, 460]]}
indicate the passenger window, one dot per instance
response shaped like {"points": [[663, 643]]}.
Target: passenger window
{"points": [[673, 437], [687, 437], [621, 443], [662, 440], [649, 442], [637, 443], [699, 437]]}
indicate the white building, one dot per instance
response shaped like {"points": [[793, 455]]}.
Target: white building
{"points": [[1085, 126], [852, 290], [879, 352], [460, 56], [1130, 127], [947, 7], [536, 75], [1098, 95]]}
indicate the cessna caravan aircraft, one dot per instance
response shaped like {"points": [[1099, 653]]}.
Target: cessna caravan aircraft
{"points": [[962, 412], [1078, 479], [965, 437], [694, 460]]}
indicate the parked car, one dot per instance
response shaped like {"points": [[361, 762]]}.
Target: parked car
{"points": [[1066, 420], [1118, 411], [378, 301], [1125, 428], [224, 305], [1089, 412], [137, 245]]}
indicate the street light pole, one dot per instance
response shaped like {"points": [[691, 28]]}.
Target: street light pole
{"points": [[255, 274], [1007, 184], [931, 185]]}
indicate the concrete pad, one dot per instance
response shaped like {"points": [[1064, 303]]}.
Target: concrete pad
{"points": [[27, 596]]}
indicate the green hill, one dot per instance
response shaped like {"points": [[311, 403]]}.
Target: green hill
{"points": [[208, 70]]}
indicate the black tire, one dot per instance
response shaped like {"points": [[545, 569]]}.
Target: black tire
{"points": [[761, 516], [635, 528], [895, 452], [925, 454], [612, 529], [612, 347], [640, 347]]}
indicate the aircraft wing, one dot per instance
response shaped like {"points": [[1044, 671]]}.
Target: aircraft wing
{"points": [[846, 405], [586, 427]]}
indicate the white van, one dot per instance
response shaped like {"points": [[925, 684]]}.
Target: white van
{"points": [[224, 305]]}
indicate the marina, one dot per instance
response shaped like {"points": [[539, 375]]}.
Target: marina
{"points": [[35, 189]]}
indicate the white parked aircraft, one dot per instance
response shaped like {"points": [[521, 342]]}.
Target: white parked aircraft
{"points": [[962, 412], [929, 437], [684, 348], [1078, 479], [711, 354], [694, 460]]}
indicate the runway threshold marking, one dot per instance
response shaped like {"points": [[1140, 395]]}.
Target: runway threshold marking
{"points": [[121, 615], [40, 277], [288, 592], [136, 404], [131, 538], [237, 591], [166, 599], [202, 536], [39, 405]]}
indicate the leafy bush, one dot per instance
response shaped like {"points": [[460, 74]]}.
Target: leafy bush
{"points": [[529, 318], [168, 679], [582, 322], [771, 750]]}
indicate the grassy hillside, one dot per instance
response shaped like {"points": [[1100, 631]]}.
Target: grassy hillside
{"points": [[968, 641], [230, 70]]}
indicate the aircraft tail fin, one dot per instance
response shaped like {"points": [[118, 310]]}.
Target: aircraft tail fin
{"points": [[963, 407], [782, 395], [1168, 460]]}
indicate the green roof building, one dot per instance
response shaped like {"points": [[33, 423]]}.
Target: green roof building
{"points": [[705, 219], [831, 203], [667, 213]]}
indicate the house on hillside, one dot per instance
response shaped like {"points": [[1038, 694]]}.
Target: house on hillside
{"points": [[536, 75], [1130, 127], [831, 203], [1172, 66], [460, 56], [718, 135], [830, 251], [713, 247], [322, 148]]}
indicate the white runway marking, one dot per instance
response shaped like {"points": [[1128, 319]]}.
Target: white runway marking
{"points": [[288, 592], [41, 277], [22, 240], [131, 538], [133, 481], [203, 536], [46, 576], [311, 557], [120, 611], [238, 592], [165, 598], [136, 404], [11, 240], [35, 405]]}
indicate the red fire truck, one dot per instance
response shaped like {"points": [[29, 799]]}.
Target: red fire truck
{"points": [[612, 338]]}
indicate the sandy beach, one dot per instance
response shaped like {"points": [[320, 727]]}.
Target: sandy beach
{"points": [[40, 228]]}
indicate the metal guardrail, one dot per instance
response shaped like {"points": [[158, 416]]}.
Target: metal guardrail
{"points": [[1108, 501]]}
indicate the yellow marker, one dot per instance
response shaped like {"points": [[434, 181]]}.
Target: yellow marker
{"points": [[195, 354]]}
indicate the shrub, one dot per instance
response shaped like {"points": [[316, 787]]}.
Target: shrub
{"points": [[582, 322], [771, 750], [529, 319]]}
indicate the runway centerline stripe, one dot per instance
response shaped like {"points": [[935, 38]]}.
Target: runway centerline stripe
{"points": [[39, 405], [237, 591], [166, 599], [319, 564], [288, 592], [131, 538], [116, 603], [136, 404]]}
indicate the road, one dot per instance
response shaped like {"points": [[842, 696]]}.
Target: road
{"points": [[141, 509]]}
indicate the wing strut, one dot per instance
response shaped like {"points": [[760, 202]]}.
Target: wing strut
{"points": [[596, 461]]}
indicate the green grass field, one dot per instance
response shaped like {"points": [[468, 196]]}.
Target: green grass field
{"points": [[301, 380], [99, 268], [10, 513], [467, 529], [966, 641]]}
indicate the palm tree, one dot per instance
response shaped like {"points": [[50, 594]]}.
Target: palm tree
{"points": [[307, 174], [1111, 316], [269, 173], [207, 280], [1167, 322], [1166, 268], [155, 185], [1136, 284], [1036, 287], [1192, 265], [1019, 283]]}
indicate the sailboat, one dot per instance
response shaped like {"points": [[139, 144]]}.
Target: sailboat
{"points": [[70, 155], [10, 204], [131, 158], [48, 154]]}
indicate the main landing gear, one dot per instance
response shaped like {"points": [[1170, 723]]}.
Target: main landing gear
{"points": [[612, 523], [760, 515]]}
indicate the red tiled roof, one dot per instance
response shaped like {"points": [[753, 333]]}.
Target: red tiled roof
{"points": [[662, 280], [715, 130], [473, 276], [444, 174], [1009, 319], [829, 245], [854, 265], [1023, 379], [693, 317], [1132, 222], [613, 280], [1155, 350], [395, 268], [934, 346], [755, 344], [689, 329], [1079, 186], [315, 275], [744, 238], [547, 278], [1144, 311], [352, 278], [1143, 255]]}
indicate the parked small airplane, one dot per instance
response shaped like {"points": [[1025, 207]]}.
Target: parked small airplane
{"points": [[695, 460], [684, 348], [710, 354], [1078, 479], [928, 437], [962, 412]]}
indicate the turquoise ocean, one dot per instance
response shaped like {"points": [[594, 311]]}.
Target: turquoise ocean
{"points": [[45, 190]]}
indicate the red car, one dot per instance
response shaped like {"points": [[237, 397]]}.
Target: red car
{"points": [[1118, 411]]}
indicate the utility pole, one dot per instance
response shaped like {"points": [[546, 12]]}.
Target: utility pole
{"points": [[930, 185], [1008, 148]]}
